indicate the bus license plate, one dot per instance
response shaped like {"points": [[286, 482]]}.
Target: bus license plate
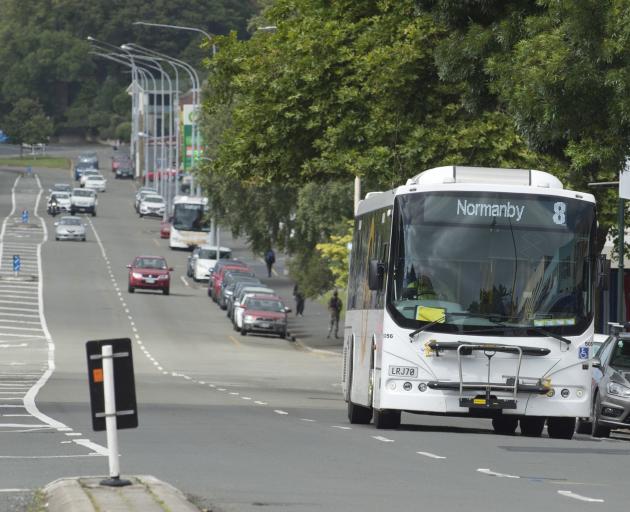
{"points": [[403, 371]]}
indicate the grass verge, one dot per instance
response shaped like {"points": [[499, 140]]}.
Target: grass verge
{"points": [[49, 163]]}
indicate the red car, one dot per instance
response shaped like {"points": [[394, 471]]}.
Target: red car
{"points": [[265, 314], [165, 229], [151, 273], [216, 278]]}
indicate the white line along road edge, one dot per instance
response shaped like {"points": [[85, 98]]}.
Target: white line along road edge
{"points": [[570, 494], [29, 399]]}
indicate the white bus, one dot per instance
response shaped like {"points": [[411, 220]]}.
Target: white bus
{"points": [[189, 222], [471, 293]]}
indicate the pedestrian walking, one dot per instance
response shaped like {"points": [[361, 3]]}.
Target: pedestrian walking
{"points": [[299, 301], [270, 259], [334, 308]]}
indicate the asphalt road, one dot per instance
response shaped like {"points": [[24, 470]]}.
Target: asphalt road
{"points": [[237, 422]]}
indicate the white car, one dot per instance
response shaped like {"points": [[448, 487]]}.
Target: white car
{"points": [[237, 314], [151, 204], [143, 192], [63, 200], [83, 200], [203, 259], [86, 173], [96, 182]]}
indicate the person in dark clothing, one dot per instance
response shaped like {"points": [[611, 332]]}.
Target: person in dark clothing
{"points": [[270, 259], [299, 301], [334, 308]]}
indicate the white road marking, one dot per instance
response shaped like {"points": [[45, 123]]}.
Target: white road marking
{"points": [[14, 457], [245, 398], [101, 450], [488, 472], [222, 389], [258, 402], [341, 428], [234, 393], [74, 434], [282, 413], [16, 490], [570, 494], [14, 346], [21, 425], [383, 439], [431, 455], [307, 419], [184, 281]]}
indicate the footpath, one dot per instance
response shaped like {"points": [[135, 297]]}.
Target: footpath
{"points": [[149, 494]]}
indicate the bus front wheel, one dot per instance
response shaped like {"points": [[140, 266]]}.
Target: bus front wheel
{"points": [[386, 419], [505, 425], [358, 414], [532, 426], [560, 428]]}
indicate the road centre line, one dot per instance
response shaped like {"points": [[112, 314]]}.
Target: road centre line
{"points": [[184, 281], [341, 427], [383, 439], [234, 341], [570, 494]]}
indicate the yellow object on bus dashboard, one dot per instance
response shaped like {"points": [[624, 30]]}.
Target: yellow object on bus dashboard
{"points": [[428, 314]]}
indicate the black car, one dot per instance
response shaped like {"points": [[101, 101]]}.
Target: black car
{"points": [[124, 172]]}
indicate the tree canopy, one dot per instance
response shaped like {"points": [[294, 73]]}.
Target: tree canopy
{"points": [[44, 54]]}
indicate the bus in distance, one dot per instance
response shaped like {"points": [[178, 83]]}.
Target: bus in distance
{"points": [[189, 223], [471, 293]]}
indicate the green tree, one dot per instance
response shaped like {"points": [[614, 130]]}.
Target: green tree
{"points": [[27, 123]]}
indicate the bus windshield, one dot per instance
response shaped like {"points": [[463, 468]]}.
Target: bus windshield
{"points": [[479, 261], [190, 217]]}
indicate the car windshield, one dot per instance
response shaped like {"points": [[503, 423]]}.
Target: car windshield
{"points": [[61, 195], [153, 199], [95, 178], [157, 263], [260, 304], [83, 193], [471, 260], [62, 187], [621, 355], [69, 221], [211, 254]]}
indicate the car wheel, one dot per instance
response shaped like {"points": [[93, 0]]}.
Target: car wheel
{"points": [[140, 215], [386, 419], [72, 212], [560, 428], [598, 430], [57, 238], [83, 239], [243, 332], [532, 426], [583, 426], [93, 213], [130, 289], [166, 291], [505, 425], [358, 414], [284, 334]]}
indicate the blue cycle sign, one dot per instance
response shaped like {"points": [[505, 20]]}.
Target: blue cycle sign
{"points": [[24, 216], [17, 263]]}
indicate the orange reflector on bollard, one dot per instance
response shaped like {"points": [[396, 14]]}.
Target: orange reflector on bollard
{"points": [[97, 375]]}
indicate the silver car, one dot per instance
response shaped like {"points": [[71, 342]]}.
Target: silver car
{"points": [[611, 389], [70, 228]]}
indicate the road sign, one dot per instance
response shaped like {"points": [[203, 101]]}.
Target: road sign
{"points": [[24, 216], [126, 410], [17, 263]]}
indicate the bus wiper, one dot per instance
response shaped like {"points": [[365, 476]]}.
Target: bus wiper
{"points": [[491, 318], [412, 334], [545, 332]]}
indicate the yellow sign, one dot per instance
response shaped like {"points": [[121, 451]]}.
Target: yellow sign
{"points": [[479, 401], [427, 314]]}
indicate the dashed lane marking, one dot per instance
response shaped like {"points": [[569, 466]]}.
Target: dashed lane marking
{"points": [[341, 428], [282, 413], [431, 455], [569, 494], [488, 472], [383, 439], [184, 281]]}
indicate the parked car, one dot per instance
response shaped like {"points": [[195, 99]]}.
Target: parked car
{"points": [[237, 292], [70, 228], [214, 283], [611, 388], [151, 204], [124, 172], [230, 283], [96, 182], [62, 199], [150, 273], [229, 278], [165, 228], [265, 314], [203, 259], [119, 161], [237, 302], [83, 200], [141, 193], [86, 174]]}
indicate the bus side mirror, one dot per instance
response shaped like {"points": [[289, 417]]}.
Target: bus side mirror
{"points": [[375, 275], [603, 273]]}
